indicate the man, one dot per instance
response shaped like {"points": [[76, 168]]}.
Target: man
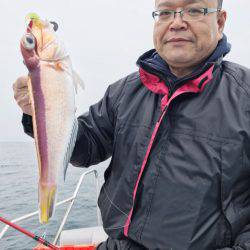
{"points": [[178, 131]]}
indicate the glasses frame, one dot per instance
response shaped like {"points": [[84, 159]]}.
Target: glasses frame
{"points": [[181, 12]]}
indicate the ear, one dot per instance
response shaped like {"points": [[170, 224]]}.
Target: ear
{"points": [[221, 20]]}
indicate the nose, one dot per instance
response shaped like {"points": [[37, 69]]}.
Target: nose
{"points": [[178, 23]]}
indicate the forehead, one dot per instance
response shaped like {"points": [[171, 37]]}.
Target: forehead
{"points": [[177, 3]]}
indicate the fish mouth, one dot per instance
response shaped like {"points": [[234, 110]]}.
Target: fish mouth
{"points": [[47, 200]]}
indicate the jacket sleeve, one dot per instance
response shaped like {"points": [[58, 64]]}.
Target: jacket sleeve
{"points": [[242, 241], [96, 129], [95, 135]]}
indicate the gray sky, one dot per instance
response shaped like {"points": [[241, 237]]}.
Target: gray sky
{"points": [[104, 39]]}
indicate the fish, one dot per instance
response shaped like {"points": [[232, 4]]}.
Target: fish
{"points": [[52, 87]]}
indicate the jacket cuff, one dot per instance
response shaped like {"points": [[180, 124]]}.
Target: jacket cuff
{"points": [[27, 124]]}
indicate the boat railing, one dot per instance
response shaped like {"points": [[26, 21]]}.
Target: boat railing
{"points": [[69, 200]]}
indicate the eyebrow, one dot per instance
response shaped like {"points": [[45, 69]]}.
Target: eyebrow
{"points": [[171, 4]]}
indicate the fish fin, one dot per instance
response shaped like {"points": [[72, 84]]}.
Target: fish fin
{"points": [[70, 148], [77, 81], [47, 200]]}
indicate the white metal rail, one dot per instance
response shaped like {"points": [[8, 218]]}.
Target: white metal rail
{"points": [[69, 200]]}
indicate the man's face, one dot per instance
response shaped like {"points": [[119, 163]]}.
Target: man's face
{"points": [[202, 36]]}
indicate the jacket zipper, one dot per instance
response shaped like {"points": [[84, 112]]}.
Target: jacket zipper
{"points": [[145, 160]]}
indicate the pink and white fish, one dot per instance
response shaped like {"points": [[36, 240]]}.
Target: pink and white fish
{"points": [[52, 92]]}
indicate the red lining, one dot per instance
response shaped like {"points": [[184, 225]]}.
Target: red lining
{"points": [[153, 83]]}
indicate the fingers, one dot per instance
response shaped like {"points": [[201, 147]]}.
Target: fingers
{"points": [[21, 94], [20, 87], [23, 100], [20, 83], [27, 110], [25, 104]]}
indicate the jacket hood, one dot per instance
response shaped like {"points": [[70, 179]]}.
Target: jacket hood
{"points": [[154, 64]]}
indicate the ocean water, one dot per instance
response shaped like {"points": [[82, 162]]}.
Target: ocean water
{"points": [[19, 195]]}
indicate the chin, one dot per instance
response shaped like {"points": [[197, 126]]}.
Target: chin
{"points": [[178, 60]]}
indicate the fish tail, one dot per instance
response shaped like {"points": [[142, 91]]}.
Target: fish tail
{"points": [[47, 200]]}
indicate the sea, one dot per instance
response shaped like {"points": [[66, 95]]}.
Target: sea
{"points": [[19, 196]]}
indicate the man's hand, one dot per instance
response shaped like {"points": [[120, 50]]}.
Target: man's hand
{"points": [[21, 94]]}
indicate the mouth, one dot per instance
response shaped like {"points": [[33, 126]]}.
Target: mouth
{"points": [[177, 40]]}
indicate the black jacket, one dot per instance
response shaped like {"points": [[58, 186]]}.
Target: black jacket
{"points": [[179, 176]]}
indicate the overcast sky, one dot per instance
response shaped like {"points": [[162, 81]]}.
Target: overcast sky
{"points": [[104, 39]]}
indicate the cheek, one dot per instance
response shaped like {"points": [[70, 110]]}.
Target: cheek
{"points": [[207, 42], [158, 35], [155, 35], [206, 35]]}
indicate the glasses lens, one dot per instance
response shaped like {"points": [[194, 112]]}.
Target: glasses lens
{"points": [[193, 14], [163, 16]]}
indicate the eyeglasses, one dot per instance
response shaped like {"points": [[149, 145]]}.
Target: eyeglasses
{"points": [[188, 14]]}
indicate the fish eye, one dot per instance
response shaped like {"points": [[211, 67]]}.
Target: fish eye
{"points": [[29, 41]]}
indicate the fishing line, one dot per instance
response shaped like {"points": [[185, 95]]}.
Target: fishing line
{"points": [[124, 213], [44, 232], [47, 44], [112, 203]]}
